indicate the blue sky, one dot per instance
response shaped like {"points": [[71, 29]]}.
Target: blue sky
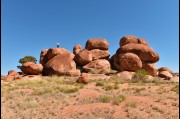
{"points": [[28, 26]]}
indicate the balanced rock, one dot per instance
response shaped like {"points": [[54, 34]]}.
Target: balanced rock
{"points": [[52, 52], [43, 57], [144, 52], [150, 68], [99, 54], [83, 57], [83, 78], [130, 62], [31, 68], [97, 43], [131, 39], [98, 66], [128, 39], [165, 74], [77, 48], [60, 64], [164, 69]]}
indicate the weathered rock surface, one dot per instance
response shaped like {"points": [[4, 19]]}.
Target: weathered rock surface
{"points": [[97, 43], [144, 52], [83, 57], [165, 74], [77, 48], [31, 68], [150, 68], [60, 64], [84, 78], [52, 52], [13, 73], [130, 62], [164, 69], [99, 54], [43, 57], [98, 66], [126, 75], [128, 39]]}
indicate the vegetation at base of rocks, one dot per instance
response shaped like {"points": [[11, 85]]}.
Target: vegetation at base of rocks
{"points": [[118, 99], [176, 88], [141, 74], [132, 104]]}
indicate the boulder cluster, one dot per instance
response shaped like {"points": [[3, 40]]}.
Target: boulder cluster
{"points": [[94, 58], [135, 54], [132, 55]]}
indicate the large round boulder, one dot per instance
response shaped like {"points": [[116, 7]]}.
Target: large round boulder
{"points": [[52, 52], [130, 62], [13, 73], [165, 74], [145, 52], [128, 39], [150, 68], [43, 57], [98, 66], [59, 65], [83, 57], [77, 48], [31, 68], [97, 43], [99, 54], [164, 69], [84, 78]]}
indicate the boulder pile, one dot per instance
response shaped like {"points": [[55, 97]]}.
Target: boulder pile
{"points": [[135, 54], [94, 58]]}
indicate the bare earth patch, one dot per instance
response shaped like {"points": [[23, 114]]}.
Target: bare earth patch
{"points": [[102, 98]]}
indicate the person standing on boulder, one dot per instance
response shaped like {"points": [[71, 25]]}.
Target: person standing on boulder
{"points": [[57, 45]]}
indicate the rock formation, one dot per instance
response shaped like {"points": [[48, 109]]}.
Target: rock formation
{"points": [[94, 57], [134, 54]]}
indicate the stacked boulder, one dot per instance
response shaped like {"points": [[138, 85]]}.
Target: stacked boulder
{"points": [[135, 54], [94, 58], [58, 61], [12, 75], [165, 72]]}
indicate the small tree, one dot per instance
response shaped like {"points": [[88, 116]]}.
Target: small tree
{"points": [[27, 59]]}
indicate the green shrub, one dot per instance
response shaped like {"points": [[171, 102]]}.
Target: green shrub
{"points": [[131, 104], [118, 99], [141, 74], [104, 98]]}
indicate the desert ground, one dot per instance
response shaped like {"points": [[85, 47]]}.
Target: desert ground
{"points": [[104, 97]]}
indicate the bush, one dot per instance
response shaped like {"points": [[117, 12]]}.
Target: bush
{"points": [[141, 74], [27, 59]]}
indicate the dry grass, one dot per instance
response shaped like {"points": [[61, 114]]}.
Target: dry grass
{"points": [[116, 97]]}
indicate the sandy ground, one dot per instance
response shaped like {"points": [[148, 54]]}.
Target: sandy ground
{"points": [[142, 100]]}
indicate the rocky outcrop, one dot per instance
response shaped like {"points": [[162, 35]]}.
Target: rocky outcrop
{"points": [[43, 57], [84, 78], [130, 62], [99, 54], [60, 64], [97, 43], [76, 49], [83, 57], [52, 52], [165, 74], [31, 68], [164, 69], [98, 66], [134, 54], [12, 75]]}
